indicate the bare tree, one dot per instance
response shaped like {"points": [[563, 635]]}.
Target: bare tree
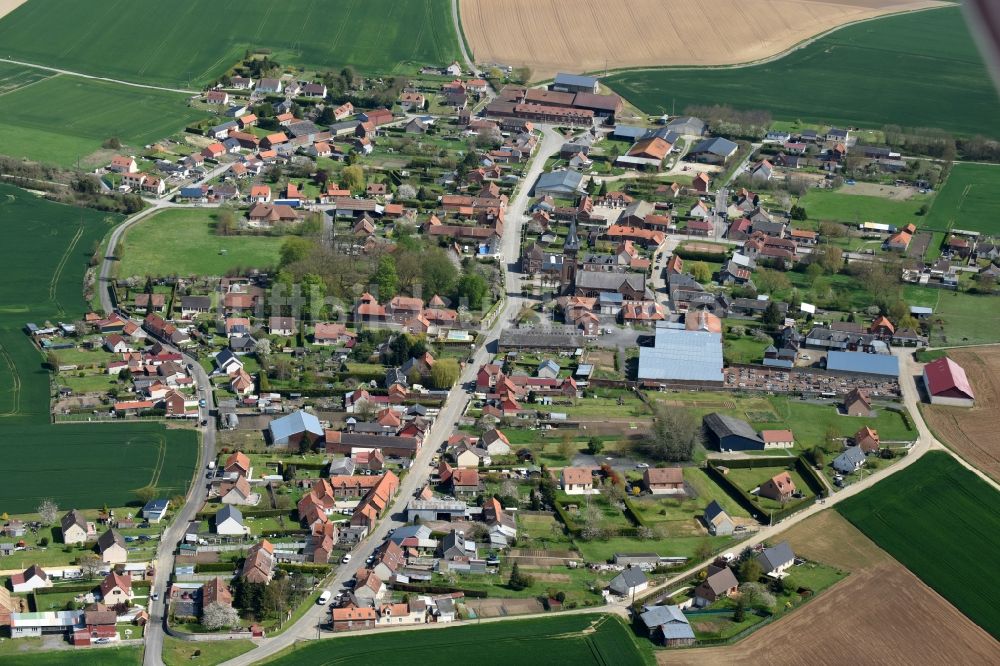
{"points": [[48, 510], [89, 564]]}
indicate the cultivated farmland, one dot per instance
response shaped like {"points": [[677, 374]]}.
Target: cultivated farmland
{"points": [[569, 639], [970, 200], [44, 257], [568, 35], [190, 42], [972, 433], [894, 618], [921, 56], [182, 242], [59, 119], [922, 514]]}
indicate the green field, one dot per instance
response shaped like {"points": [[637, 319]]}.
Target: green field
{"points": [[853, 209], [191, 42], [60, 119], [943, 523], [969, 200], [46, 250], [555, 640], [968, 319], [177, 652], [182, 242], [127, 656], [868, 75]]}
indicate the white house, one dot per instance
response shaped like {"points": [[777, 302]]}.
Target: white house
{"points": [[851, 460], [577, 481], [30, 579], [229, 521], [228, 362]]}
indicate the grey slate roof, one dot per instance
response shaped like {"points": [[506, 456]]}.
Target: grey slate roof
{"points": [[772, 558], [604, 281], [851, 458], [626, 580], [226, 512], [723, 425], [713, 511], [716, 145], [568, 182]]}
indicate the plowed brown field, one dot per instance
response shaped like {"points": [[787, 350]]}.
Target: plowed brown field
{"points": [[590, 35], [880, 614], [973, 433]]}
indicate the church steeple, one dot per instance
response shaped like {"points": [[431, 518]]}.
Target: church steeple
{"points": [[572, 243]]}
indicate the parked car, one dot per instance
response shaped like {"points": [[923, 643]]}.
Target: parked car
{"points": [[346, 558]]}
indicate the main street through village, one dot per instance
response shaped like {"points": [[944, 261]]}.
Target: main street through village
{"points": [[312, 624]]}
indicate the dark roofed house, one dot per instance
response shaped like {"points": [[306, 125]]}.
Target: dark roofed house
{"points": [[629, 582], [717, 520], [775, 560], [721, 582], [731, 434], [667, 625], [713, 151]]}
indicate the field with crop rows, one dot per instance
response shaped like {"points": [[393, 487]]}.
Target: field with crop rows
{"points": [[943, 523], [188, 43], [60, 119], [556, 640], [919, 56], [44, 256]]}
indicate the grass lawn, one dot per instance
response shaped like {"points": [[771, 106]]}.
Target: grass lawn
{"points": [[921, 56], [582, 586], [744, 349], [182, 242], [934, 512], [965, 319], [179, 43], [970, 200], [177, 652], [604, 550], [65, 118], [566, 639], [749, 478], [854, 209]]}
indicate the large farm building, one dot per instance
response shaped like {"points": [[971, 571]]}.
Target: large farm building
{"points": [[947, 384]]}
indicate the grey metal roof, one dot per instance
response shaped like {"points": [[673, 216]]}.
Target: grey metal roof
{"points": [[669, 619], [687, 125], [682, 355], [723, 425], [629, 131], [408, 531], [772, 558], [294, 423], [561, 181], [716, 145], [575, 80], [872, 364]]}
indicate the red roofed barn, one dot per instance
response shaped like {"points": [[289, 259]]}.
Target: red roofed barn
{"points": [[947, 384]]}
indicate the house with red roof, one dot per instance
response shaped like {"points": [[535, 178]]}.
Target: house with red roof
{"points": [[947, 384]]}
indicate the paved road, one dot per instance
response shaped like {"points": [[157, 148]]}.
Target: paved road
{"points": [[164, 561], [68, 72], [308, 627]]}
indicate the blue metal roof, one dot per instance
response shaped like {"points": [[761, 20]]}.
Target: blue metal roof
{"points": [[575, 80], [293, 424], [682, 355], [872, 364]]}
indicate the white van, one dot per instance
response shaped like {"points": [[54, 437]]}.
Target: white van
{"points": [[324, 598]]}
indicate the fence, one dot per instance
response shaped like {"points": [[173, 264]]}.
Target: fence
{"points": [[748, 501]]}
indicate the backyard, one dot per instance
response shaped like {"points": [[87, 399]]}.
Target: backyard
{"points": [[183, 242]]}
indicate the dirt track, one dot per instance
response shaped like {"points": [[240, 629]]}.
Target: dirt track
{"points": [[973, 433], [880, 614], [593, 35]]}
